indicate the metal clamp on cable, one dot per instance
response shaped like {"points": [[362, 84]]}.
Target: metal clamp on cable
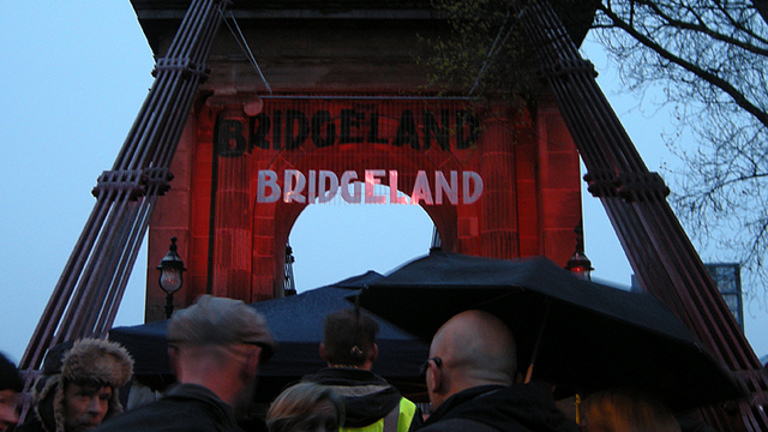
{"points": [[641, 187], [131, 181], [601, 184], [158, 179], [565, 67], [185, 65]]}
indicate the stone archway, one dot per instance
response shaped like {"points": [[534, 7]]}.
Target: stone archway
{"points": [[249, 166], [334, 242]]}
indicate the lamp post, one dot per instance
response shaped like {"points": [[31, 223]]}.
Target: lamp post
{"points": [[580, 265], [171, 275]]}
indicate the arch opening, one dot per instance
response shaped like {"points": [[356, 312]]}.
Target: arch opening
{"points": [[332, 242]]}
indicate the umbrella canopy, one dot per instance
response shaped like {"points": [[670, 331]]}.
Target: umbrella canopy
{"points": [[296, 324], [590, 336]]}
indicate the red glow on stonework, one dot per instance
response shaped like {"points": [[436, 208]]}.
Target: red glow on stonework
{"points": [[494, 183]]}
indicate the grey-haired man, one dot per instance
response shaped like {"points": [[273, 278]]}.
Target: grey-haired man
{"points": [[216, 345]]}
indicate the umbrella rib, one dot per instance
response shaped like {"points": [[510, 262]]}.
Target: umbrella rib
{"points": [[539, 337]]}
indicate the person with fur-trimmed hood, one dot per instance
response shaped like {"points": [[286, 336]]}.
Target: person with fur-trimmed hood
{"points": [[79, 386]]}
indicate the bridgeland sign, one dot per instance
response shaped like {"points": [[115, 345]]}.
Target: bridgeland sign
{"points": [[366, 127], [322, 186], [294, 129]]}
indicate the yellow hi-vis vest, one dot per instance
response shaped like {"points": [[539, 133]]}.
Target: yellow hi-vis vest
{"points": [[398, 420]]}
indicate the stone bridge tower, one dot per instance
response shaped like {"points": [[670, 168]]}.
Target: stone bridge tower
{"points": [[343, 104]]}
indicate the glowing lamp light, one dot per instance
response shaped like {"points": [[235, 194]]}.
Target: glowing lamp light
{"points": [[580, 265], [171, 275]]}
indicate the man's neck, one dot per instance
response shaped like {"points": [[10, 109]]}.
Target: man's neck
{"points": [[223, 385], [367, 366]]}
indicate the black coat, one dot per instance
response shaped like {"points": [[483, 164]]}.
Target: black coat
{"points": [[187, 407], [516, 408], [367, 397]]}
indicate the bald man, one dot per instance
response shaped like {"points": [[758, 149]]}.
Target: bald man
{"points": [[470, 380]]}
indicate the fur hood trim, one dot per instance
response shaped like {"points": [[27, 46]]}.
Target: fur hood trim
{"points": [[89, 361], [47, 396], [97, 361]]}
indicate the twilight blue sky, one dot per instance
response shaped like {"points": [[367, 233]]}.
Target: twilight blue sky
{"points": [[73, 76]]}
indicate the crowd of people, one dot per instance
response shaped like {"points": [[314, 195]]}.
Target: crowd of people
{"points": [[217, 345]]}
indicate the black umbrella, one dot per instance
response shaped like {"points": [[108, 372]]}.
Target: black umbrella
{"points": [[296, 323], [587, 336]]}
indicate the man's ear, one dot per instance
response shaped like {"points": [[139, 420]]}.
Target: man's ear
{"points": [[436, 376], [374, 353], [173, 356], [252, 362], [321, 351]]}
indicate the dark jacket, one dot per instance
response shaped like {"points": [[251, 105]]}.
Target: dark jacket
{"points": [[516, 408], [40, 419], [31, 424], [367, 397], [186, 407]]}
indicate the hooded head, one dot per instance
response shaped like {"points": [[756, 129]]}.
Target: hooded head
{"points": [[10, 386], [87, 363], [9, 376], [349, 339]]}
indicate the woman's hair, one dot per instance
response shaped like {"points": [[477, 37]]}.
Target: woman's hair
{"points": [[303, 407], [626, 411]]}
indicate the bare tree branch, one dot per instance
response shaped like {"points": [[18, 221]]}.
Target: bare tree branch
{"points": [[737, 96], [709, 60]]}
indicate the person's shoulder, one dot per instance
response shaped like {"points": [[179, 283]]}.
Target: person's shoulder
{"points": [[32, 424], [412, 413], [160, 416], [458, 425], [407, 402]]}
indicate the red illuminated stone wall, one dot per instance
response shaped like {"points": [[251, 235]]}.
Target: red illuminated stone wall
{"points": [[234, 245]]}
